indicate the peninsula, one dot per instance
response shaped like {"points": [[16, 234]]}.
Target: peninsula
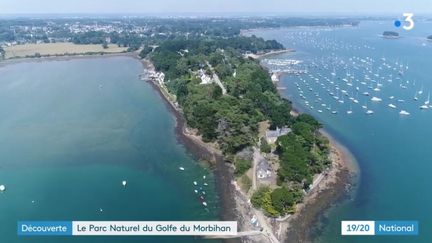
{"points": [[211, 75]]}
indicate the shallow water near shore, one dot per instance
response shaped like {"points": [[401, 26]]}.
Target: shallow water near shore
{"points": [[72, 130], [391, 149]]}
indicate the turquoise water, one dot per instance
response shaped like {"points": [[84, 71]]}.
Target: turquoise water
{"points": [[393, 151], [71, 131]]}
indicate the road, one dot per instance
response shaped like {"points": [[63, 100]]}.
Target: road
{"points": [[216, 79]]}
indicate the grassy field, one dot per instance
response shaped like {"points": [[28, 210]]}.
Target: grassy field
{"points": [[58, 49]]}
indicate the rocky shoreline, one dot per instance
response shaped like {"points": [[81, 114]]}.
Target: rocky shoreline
{"points": [[199, 150], [332, 189], [235, 205]]}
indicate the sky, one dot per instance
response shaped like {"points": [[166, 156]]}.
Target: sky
{"points": [[213, 6]]}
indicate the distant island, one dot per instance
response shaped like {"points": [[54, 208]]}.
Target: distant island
{"points": [[390, 34]]}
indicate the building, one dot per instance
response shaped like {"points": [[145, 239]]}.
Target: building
{"points": [[205, 79], [263, 170], [272, 135], [157, 76]]}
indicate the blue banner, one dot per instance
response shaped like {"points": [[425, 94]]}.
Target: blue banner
{"points": [[34, 228], [396, 228]]}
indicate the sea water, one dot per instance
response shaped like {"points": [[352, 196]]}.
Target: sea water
{"points": [[72, 131], [393, 151]]}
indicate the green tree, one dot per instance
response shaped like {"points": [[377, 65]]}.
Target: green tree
{"points": [[265, 147], [217, 92], [241, 166], [282, 200], [145, 51]]}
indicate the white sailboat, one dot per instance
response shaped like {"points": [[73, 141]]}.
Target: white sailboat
{"points": [[376, 99], [404, 113], [426, 104], [349, 111], [421, 91]]}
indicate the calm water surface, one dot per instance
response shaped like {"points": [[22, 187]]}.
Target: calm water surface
{"points": [[71, 131], [393, 151]]}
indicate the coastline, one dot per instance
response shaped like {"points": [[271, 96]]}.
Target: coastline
{"points": [[63, 58], [332, 187], [234, 204], [270, 53], [198, 149], [201, 151]]}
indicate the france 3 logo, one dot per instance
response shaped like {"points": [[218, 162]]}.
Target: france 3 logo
{"points": [[408, 22]]}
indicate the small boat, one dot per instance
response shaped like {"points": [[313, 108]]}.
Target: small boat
{"points": [[2, 188], [204, 203], [369, 112], [195, 183], [376, 99], [124, 183], [205, 184], [403, 112], [320, 111], [204, 177], [349, 112], [196, 191], [181, 168], [421, 91], [424, 107], [392, 106]]}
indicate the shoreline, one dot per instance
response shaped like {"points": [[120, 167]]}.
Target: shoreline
{"points": [[201, 151], [334, 188], [18, 60], [270, 53]]}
